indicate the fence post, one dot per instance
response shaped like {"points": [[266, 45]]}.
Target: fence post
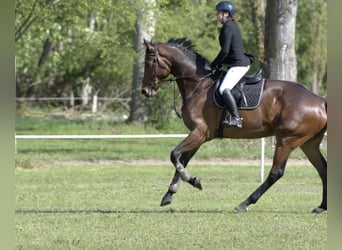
{"points": [[94, 107], [15, 144], [262, 159], [72, 99]]}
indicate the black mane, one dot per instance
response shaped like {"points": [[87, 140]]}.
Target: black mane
{"points": [[182, 43], [187, 47]]}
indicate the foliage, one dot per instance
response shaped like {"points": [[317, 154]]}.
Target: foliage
{"points": [[312, 43], [76, 51], [57, 51]]}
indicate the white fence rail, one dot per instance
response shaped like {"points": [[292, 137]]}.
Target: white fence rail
{"points": [[145, 136], [100, 136], [38, 99], [138, 136]]}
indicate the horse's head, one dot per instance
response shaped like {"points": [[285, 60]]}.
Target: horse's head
{"points": [[156, 69]]}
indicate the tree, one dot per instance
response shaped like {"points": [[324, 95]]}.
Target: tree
{"points": [[312, 43], [280, 24], [144, 29], [57, 54], [258, 19]]}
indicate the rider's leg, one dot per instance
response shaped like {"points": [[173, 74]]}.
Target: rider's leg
{"points": [[231, 78], [232, 108]]}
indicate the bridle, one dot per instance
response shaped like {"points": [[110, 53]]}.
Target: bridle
{"points": [[156, 63]]}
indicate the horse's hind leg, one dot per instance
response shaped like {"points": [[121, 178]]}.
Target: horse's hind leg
{"points": [[312, 151], [281, 155], [176, 180]]}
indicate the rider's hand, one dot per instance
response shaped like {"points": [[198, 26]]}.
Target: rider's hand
{"points": [[214, 70]]}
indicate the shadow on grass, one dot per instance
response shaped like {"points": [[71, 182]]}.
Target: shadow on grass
{"points": [[116, 211], [149, 211]]}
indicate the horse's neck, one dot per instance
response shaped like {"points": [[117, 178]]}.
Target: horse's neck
{"points": [[181, 71], [187, 85], [189, 89], [187, 74]]}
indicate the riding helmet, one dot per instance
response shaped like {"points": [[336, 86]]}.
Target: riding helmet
{"points": [[226, 6]]}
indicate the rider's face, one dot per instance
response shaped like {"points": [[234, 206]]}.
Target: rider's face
{"points": [[222, 16]]}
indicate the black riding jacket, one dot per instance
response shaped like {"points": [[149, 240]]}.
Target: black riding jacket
{"points": [[232, 52]]}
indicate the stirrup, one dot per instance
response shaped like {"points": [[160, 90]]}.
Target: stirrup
{"points": [[233, 121]]}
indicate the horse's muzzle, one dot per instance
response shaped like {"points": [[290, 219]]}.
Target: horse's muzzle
{"points": [[148, 92]]}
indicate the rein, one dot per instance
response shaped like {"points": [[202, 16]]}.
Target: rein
{"points": [[156, 63], [179, 115], [196, 90], [190, 78]]}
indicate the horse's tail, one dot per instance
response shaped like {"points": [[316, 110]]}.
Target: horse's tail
{"points": [[326, 111], [326, 105], [323, 121]]}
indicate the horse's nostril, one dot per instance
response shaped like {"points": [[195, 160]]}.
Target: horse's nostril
{"points": [[144, 92]]}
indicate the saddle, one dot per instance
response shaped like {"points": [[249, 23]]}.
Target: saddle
{"points": [[247, 92]]}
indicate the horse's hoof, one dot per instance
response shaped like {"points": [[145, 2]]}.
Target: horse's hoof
{"points": [[241, 208], [196, 182], [166, 200], [318, 210]]}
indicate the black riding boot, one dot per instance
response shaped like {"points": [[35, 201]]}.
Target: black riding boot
{"points": [[229, 100]]}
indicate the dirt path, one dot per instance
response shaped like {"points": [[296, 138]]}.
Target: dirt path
{"points": [[215, 161]]}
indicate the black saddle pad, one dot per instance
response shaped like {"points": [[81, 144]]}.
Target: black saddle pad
{"points": [[247, 92]]}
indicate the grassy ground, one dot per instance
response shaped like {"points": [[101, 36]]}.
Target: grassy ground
{"points": [[62, 203], [117, 207]]}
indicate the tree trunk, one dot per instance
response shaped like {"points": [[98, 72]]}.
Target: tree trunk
{"points": [[280, 24], [145, 27], [46, 51], [86, 88], [258, 17]]}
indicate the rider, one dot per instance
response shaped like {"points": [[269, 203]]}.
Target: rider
{"points": [[233, 56]]}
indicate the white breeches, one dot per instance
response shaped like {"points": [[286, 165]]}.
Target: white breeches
{"points": [[232, 77]]}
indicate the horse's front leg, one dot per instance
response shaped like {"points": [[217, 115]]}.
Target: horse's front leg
{"points": [[180, 157], [176, 180], [167, 198]]}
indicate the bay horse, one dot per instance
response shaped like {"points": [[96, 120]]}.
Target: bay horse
{"points": [[287, 110]]}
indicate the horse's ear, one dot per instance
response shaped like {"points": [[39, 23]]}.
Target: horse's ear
{"points": [[146, 42], [148, 45]]}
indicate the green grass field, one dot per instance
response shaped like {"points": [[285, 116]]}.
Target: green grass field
{"points": [[117, 207], [66, 199]]}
